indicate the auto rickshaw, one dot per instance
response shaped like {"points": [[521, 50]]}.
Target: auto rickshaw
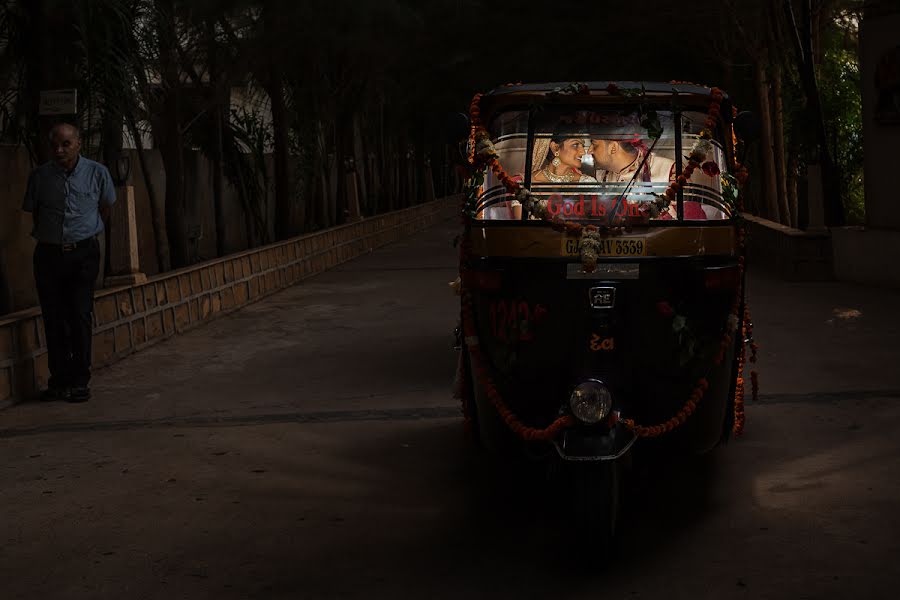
{"points": [[602, 278]]}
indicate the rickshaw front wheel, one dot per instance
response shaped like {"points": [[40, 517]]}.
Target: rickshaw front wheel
{"points": [[489, 431], [597, 501]]}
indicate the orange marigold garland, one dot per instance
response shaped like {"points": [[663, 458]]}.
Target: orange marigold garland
{"points": [[679, 419], [484, 380], [482, 153], [754, 377], [475, 114], [697, 154], [702, 384], [739, 418]]}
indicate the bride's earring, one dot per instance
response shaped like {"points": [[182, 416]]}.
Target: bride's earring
{"points": [[556, 162]]}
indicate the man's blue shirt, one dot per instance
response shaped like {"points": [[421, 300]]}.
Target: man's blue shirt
{"points": [[66, 205]]}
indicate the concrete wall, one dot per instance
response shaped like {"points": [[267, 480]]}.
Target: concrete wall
{"points": [[128, 319], [878, 40], [16, 245], [788, 253], [869, 254]]}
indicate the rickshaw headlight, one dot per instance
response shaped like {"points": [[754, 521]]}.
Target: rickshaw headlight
{"points": [[590, 401]]}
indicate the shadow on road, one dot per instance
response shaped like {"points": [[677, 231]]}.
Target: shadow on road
{"points": [[444, 519]]}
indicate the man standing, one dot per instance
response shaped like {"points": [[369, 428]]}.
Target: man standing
{"points": [[68, 197]]}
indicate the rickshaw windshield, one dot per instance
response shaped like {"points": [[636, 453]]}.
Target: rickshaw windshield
{"points": [[599, 163]]}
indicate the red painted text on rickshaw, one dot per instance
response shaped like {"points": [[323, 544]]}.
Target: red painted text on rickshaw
{"points": [[589, 206]]}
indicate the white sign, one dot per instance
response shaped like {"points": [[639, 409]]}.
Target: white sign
{"points": [[58, 102]]}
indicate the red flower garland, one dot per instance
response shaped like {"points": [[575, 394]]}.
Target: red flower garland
{"points": [[712, 114], [551, 431], [512, 421]]}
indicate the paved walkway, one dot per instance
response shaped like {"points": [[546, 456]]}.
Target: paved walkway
{"points": [[307, 447], [375, 333]]}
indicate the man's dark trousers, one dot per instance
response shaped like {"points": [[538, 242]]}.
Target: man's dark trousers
{"points": [[65, 277]]}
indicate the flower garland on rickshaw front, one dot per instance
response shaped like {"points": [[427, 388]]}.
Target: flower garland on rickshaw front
{"points": [[482, 154]]}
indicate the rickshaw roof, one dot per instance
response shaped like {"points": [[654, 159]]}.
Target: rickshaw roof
{"points": [[651, 87], [597, 92]]}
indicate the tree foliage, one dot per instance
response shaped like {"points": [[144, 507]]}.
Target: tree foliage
{"points": [[358, 90]]}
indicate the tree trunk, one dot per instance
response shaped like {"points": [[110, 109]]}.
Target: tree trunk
{"points": [[383, 186], [409, 176], [344, 156], [322, 199], [350, 186], [333, 190], [402, 160], [273, 82], [218, 188], [111, 146], [766, 150], [780, 169], [160, 236], [112, 138], [362, 166], [333, 184], [802, 37], [793, 200], [249, 219], [52, 62], [5, 287], [396, 183], [391, 188], [374, 185], [284, 227], [171, 145], [218, 100], [172, 153]]}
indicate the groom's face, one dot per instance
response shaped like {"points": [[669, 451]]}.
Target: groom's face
{"points": [[600, 150]]}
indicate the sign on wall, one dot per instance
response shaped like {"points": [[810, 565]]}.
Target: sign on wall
{"points": [[58, 102]]}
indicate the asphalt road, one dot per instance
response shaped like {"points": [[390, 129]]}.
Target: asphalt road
{"points": [[307, 447]]}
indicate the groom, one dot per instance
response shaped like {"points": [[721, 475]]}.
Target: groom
{"points": [[617, 160]]}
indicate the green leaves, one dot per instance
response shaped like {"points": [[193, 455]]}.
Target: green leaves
{"points": [[649, 118], [571, 90], [473, 185], [729, 189], [650, 122], [631, 92]]}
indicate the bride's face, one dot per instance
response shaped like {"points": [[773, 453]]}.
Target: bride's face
{"points": [[570, 152]]}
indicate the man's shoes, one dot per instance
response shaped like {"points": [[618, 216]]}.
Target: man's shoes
{"points": [[54, 394], [79, 393]]}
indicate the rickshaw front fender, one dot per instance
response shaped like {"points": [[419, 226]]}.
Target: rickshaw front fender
{"points": [[590, 445]]}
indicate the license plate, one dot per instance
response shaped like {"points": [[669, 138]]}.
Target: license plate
{"points": [[619, 246], [604, 271]]}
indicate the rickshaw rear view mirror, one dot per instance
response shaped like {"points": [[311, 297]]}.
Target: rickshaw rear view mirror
{"points": [[456, 128], [747, 127]]}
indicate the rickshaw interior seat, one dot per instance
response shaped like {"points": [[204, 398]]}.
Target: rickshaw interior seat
{"points": [[713, 213]]}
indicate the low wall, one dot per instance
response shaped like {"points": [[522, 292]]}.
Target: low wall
{"points": [[790, 254], [128, 319]]}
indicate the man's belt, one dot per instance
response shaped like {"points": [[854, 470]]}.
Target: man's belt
{"points": [[69, 246]]}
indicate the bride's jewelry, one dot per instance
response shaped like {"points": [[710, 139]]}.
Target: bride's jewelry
{"points": [[553, 177], [556, 162]]}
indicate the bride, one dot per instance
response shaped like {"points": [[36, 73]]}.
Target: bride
{"points": [[558, 160]]}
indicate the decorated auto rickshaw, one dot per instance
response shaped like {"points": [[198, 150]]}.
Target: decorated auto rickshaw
{"points": [[602, 278]]}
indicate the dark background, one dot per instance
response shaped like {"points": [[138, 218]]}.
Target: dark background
{"points": [[366, 86]]}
